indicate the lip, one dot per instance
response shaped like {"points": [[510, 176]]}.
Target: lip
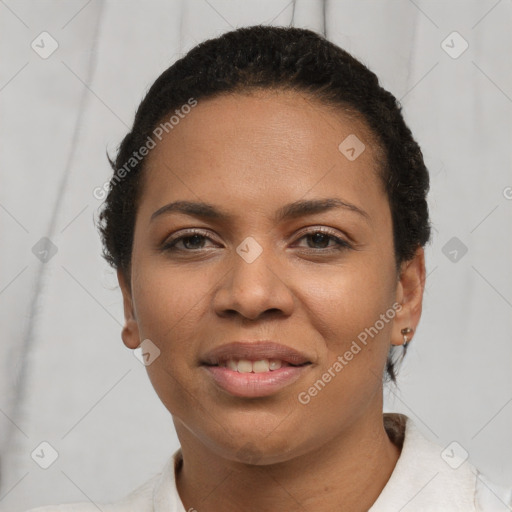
{"points": [[252, 385], [254, 351]]}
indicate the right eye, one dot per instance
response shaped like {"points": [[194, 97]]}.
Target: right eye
{"points": [[194, 238]]}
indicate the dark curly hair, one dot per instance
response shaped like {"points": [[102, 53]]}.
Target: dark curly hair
{"points": [[277, 58]]}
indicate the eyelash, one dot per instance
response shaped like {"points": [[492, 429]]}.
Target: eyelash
{"points": [[170, 246]]}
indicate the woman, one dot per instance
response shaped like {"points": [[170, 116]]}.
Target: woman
{"points": [[266, 218]]}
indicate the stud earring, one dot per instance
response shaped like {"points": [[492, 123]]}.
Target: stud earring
{"points": [[405, 332]]}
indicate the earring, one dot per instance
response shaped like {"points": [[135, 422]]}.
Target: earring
{"points": [[405, 332]]}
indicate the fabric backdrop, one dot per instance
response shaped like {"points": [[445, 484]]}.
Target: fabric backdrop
{"points": [[71, 77]]}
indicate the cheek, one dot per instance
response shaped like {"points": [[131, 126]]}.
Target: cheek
{"points": [[351, 311], [345, 300], [346, 313], [168, 304]]}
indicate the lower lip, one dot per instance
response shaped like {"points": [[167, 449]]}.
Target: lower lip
{"points": [[251, 385]]}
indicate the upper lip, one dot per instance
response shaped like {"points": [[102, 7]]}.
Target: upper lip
{"points": [[253, 351]]}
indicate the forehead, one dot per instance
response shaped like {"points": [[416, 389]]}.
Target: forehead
{"points": [[264, 146], [269, 118]]}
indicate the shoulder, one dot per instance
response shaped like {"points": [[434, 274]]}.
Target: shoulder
{"points": [[158, 494], [429, 477], [140, 499], [490, 497]]}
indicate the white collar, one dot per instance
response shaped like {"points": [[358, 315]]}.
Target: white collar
{"points": [[423, 480]]}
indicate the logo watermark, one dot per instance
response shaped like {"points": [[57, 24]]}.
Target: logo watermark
{"points": [[137, 156], [304, 397]]}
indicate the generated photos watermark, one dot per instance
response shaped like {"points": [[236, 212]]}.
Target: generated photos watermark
{"points": [[137, 156], [305, 397]]}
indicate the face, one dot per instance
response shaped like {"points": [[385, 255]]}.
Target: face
{"points": [[295, 249]]}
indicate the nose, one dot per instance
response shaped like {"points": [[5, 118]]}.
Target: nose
{"points": [[254, 288]]}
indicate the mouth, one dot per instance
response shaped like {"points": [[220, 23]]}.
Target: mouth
{"points": [[261, 352], [254, 369], [258, 366]]}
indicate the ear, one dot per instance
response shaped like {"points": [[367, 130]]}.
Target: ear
{"points": [[130, 332], [409, 294]]}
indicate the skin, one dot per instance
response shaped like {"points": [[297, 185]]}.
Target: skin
{"points": [[251, 154]]}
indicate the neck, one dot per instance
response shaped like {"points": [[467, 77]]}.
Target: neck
{"points": [[347, 473]]}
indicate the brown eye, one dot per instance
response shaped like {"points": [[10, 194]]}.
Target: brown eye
{"points": [[190, 242], [321, 240]]}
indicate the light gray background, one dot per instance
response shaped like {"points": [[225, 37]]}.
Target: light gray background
{"points": [[66, 378]]}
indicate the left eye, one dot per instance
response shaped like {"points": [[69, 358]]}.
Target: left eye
{"points": [[323, 238]]}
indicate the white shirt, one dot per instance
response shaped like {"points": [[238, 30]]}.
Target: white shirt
{"points": [[426, 478]]}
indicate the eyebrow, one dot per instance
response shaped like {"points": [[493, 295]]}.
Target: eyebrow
{"points": [[289, 211]]}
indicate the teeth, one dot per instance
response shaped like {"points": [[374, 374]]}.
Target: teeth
{"points": [[274, 364], [260, 366], [246, 366]]}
